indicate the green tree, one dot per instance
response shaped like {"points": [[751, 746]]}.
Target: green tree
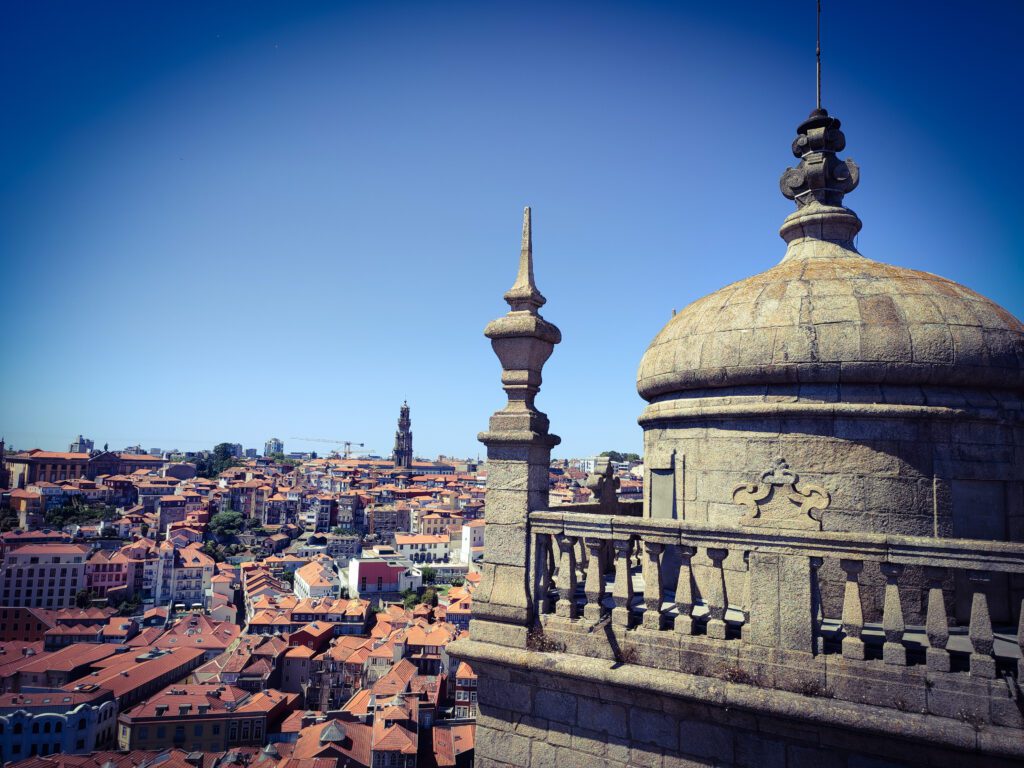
{"points": [[83, 598], [128, 606], [219, 459], [620, 457], [429, 574], [76, 511], [217, 553], [226, 524], [430, 597]]}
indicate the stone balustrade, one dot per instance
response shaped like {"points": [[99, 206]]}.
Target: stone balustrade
{"points": [[728, 588]]}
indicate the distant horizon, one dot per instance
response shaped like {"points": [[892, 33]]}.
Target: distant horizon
{"points": [[284, 219], [321, 453]]}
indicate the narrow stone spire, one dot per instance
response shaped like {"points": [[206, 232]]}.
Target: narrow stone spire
{"points": [[518, 458], [523, 295]]}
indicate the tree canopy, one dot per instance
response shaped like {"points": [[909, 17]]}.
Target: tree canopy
{"points": [[620, 457], [75, 511], [226, 524], [220, 458]]}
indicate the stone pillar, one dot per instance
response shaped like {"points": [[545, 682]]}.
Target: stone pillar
{"points": [[518, 459]]}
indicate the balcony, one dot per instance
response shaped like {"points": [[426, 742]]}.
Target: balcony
{"points": [[758, 607]]}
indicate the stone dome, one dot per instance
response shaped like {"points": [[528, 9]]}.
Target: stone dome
{"points": [[836, 318], [828, 315]]}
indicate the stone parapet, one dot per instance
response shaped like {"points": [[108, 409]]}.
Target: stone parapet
{"points": [[746, 604], [556, 709]]}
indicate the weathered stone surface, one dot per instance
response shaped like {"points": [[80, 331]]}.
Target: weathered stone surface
{"points": [[602, 716], [706, 740], [653, 728], [557, 706]]}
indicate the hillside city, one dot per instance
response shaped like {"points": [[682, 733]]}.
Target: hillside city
{"points": [[245, 607]]}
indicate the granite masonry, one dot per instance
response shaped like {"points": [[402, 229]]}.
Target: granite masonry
{"points": [[827, 568]]}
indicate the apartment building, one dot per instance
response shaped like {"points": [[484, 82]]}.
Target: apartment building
{"points": [[317, 579], [203, 717], [43, 575], [53, 722], [422, 548]]}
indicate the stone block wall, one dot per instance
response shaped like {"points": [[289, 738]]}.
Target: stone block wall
{"points": [[951, 465], [537, 717]]}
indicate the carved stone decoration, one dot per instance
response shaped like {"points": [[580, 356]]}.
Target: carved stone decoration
{"points": [[776, 502], [821, 177], [603, 484]]}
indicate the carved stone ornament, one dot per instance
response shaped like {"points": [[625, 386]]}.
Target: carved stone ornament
{"points": [[776, 502], [603, 484], [821, 177]]}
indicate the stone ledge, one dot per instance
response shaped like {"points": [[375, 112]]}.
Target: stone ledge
{"points": [[867, 719], [674, 410]]}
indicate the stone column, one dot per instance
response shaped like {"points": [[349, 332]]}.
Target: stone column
{"points": [[518, 459]]}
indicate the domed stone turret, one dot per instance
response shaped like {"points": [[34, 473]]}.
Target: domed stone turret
{"points": [[869, 396], [826, 314]]}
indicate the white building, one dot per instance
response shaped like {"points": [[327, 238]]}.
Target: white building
{"points": [[472, 549], [317, 579], [422, 547]]}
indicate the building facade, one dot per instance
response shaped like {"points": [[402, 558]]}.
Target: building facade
{"points": [[43, 575]]}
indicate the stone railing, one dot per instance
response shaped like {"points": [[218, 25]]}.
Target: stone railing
{"points": [[893, 600]]}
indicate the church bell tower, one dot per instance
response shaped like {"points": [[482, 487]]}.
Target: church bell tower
{"points": [[402, 454]]}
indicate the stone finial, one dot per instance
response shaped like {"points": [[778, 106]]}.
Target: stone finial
{"points": [[603, 484], [523, 295], [817, 185], [523, 341], [821, 176], [776, 502]]}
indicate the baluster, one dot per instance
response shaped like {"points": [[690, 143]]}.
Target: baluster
{"points": [[853, 612], [980, 632], [936, 622], [542, 560], [817, 607], [684, 592], [593, 587], [893, 624], [1020, 643], [622, 591], [652, 584], [717, 598], [565, 578], [582, 561]]}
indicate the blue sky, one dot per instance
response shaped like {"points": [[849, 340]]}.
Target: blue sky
{"points": [[226, 221]]}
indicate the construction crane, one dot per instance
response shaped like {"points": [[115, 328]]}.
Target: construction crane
{"points": [[347, 443]]}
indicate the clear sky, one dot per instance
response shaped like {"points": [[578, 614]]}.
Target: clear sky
{"points": [[223, 221]]}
